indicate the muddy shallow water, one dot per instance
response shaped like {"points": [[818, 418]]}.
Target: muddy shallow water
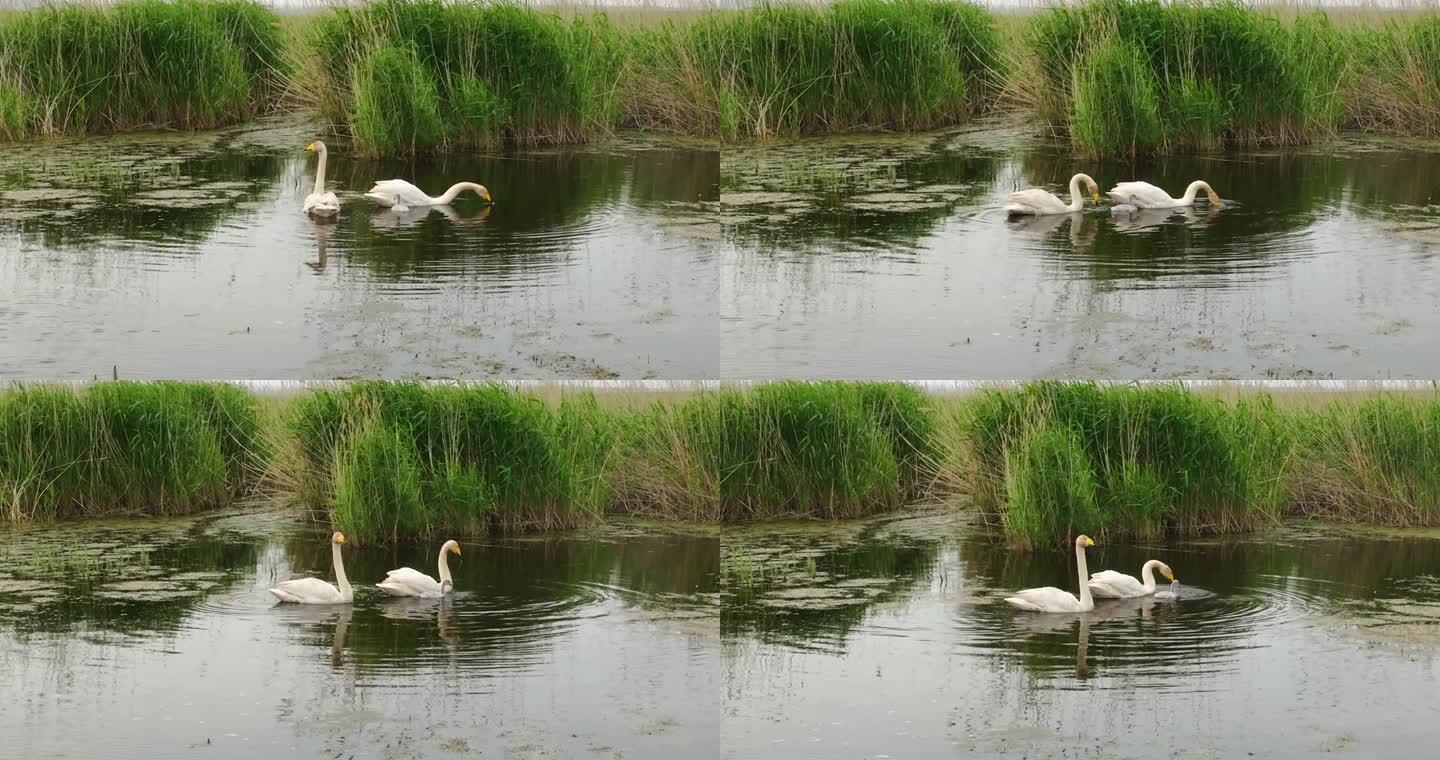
{"points": [[187, 256], [157, 639], [892, 256], [891, 639]]}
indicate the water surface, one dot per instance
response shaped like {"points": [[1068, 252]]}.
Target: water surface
{"points": [[891, 639], [892, 257], [157, 639], [187, 256]]}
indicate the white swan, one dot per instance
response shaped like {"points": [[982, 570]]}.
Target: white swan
{"points": [[1108, 584], [320, 203], [316, 591], [401, 195], [1051, 599], [1146, 195], [410, 582], [1037, 202]]}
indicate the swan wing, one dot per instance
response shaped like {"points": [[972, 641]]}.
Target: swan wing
{"points": [[1047, 599], [307, 591], [322, 204], [402, 192], [1141, 195], [1112, 585], [1035, 201], [408, 582]]}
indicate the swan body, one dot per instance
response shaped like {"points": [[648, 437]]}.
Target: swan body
{"points": [[1051, 599], [1146, 195], [316, 591], [1123, 209], [400, 195], [410, 582], [320, 203], [1108, 584], [1173, 593], [1037, 202]]}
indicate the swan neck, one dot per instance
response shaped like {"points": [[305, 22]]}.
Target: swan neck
{"points": [[444, 567], [340, 580], [1086, 603], [1192, 190], [320, 185], [455, 189], [1147, 575], [1077, 201]]}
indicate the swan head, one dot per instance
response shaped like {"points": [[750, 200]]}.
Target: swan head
{"points": [[485, 194], [315, 147], [337, 538], [1167, 572], [451, 546], [1090, 187], [1210, 193], [1083, 541]]}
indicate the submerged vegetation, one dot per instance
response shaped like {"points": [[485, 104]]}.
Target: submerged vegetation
{"points": [[1118, 77], [1046, 461]]}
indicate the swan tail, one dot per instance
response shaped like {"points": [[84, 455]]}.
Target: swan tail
{"points": [[380, 197], [1018, 209], [284, 596], [393, 589]]}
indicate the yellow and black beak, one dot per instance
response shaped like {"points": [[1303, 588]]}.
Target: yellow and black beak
{"points": [[457, 550], [311, 146], [1089, 542]]}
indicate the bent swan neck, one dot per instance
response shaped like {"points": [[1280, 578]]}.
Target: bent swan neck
{"points": [[444, 567], [455, 189], [1193, 190], [1147, 575], [1086, 603], [341, 581], [1077, 201]]}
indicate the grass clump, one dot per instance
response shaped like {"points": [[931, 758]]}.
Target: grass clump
{"points": [[1374, 463], [1218, 73], [1160, 459], [793, 69], [791, 449], [481, 457], [124, 447], [140, 63], [1394, 84], [499, 70]]}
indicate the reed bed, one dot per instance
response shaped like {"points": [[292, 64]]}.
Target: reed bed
{"points": [[125, 447], [186, 64], [784, 450], [409, 76], [1042, 461], [794, 69], [1126, 77]]}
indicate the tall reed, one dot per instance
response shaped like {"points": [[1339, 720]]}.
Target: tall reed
{"points": [[148, 448], [1123, 77], [475, 73], [139, 63]]}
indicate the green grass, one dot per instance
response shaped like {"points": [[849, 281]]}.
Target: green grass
{"points": [[1053, 459], [465, 74], [474, 457], [1123, 77], [1394, 84], [140, 63], [831, 450], [793, 69], [125, 447]]}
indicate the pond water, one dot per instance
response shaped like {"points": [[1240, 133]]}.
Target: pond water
{"points": [[891, 639], [187, 256], [157, 639], [893, 257]]}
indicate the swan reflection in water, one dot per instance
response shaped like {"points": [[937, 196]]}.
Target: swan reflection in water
{"points": [[1082, 230], [322, 236], [1147, 609], [1146, 219], [397, 219], [315, 615], [415, 608]]}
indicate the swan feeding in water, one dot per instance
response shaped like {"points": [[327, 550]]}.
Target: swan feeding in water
{"points": [[1146, 195], [1037, 202], [1108, 584], [1051, 599], [400, 195], [320, 203], [316, 591], [409, 582]]}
